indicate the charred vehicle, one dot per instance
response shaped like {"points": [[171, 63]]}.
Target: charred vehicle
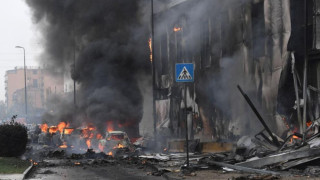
{"points": [[114, 141]]}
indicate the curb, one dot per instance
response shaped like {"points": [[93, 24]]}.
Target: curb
{"points": [[27, 171]]}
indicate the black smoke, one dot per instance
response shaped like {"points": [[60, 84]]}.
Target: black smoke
{"points": [[109, 39]]}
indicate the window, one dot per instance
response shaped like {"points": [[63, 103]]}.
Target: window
{"points": [[35, 83]]}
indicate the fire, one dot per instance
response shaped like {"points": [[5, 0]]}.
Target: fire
{"points": [[87, 132], [110, 153], [119, 146], [61, 126], [53, 129], [293, 137], [64, 146], [99, 136], [176, 29], [309, 123], [88, 142], [109, 126], [44, 128], [77, 163], [68, 130], [150, 47]]}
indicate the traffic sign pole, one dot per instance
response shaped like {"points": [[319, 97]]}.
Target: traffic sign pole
{"points": [[184, 74], [186, 116]]}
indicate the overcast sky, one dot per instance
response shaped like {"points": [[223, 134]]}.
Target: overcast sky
{"points": [[16, 30]]}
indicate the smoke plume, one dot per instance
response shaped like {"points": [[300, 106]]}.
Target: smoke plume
{"points": [[108, 40]]}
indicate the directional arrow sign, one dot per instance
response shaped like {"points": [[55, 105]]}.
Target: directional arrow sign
{"points": [[184, 72]]}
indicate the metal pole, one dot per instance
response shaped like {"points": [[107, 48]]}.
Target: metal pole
{"points": [[153, 75], [74, 81], [186, 116], [25, 82], [296, 91], [305, 69]]}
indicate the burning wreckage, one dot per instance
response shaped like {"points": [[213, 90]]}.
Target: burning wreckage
{"points": [[229, 43], [79, 140], [264, 155]]}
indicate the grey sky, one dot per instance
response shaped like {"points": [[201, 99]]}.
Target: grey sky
{"points": [[16, 29]]}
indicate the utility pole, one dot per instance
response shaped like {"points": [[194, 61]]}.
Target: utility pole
{"points": [[305, 69], [25, 80], [153, 75]]}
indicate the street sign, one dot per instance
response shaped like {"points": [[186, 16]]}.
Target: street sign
{"points": [[184, 72]]}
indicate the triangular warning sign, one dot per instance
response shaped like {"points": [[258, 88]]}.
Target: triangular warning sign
{"points": [[184, 75]]}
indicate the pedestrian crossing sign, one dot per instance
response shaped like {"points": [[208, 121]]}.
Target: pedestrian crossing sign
{"points": [[184, 72]]}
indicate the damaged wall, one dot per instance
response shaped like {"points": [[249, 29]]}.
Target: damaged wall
{"points": [[230, 42]]}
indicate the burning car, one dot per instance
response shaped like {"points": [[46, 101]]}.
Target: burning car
{"points": [[115, 140]]}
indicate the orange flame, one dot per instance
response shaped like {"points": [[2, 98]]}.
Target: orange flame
{"points": [[293, 137], [61, 126], [68, 130], [309, 123], [53, 129], [150, 48], [110, 153], [176, 29], [119, 146], [44, 128], [88, 142], [99, 136], [109, 126], [64, 146], [77, 163]]}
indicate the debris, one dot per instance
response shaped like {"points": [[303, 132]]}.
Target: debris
{"points": [[274, 139], [280, 157], [240, 168], [157, 157]]}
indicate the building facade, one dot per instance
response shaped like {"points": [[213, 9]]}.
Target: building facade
{"points": [[250, 43], [41, 85]]}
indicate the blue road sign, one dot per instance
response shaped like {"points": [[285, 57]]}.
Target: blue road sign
{"points": [[184, 72]]}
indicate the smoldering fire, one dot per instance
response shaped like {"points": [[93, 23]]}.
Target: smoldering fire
{"points": [[108, 40]]}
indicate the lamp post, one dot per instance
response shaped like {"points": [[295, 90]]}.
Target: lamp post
{"points": [[25, 79]]}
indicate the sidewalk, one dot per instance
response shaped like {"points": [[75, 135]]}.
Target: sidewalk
{"points": [[11, 176], [16, 176]]}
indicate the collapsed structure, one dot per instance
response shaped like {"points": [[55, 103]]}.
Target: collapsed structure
{"points": [[250, 43]]}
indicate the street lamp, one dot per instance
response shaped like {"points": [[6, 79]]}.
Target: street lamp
{"points": [[25, 79]]}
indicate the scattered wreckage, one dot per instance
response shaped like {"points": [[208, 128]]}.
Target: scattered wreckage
{"points": [[263, 154]]}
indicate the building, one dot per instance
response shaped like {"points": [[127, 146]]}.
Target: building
{"points": [[41, 84], [246, 42]]}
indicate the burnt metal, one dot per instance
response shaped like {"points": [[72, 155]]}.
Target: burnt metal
{"points": [[288, 138], [281, 157], [264, 136], [296, 90], [294, 163], [274, 139], [240, 168]]}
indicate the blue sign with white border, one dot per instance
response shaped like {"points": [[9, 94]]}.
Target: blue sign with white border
{"points": [[184, 72]]}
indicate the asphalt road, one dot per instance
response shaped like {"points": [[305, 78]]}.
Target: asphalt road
{"points": [[90, 172]]}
